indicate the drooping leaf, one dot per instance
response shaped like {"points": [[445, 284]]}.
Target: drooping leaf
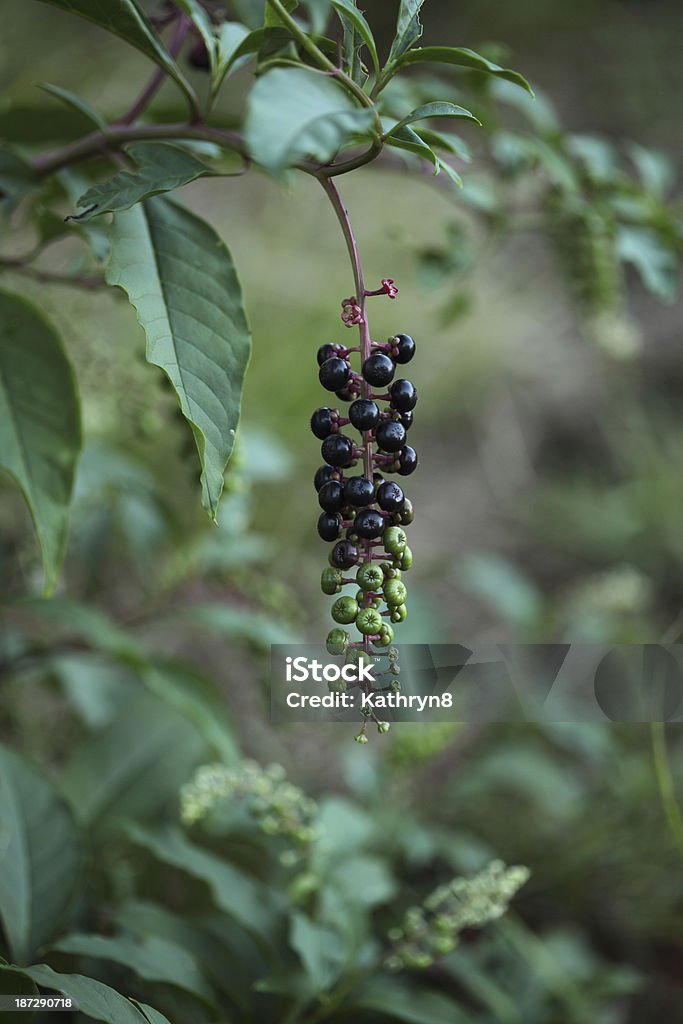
{"points": [[357, 18], [153, 958], [462, 57], [40, 427], [295, 113], [161, 167], [180, 278], [123, 18], [408, 28], [408, 139], [233, 891], [40, 856], [434, 110], [93, 998], [75, 103]]}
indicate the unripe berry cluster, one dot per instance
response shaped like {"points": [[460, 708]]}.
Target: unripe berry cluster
{"points": [[364, 514]]}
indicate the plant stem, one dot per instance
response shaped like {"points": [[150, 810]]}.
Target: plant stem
{"points": [[90, 283], [159, 76], [665, 782]]}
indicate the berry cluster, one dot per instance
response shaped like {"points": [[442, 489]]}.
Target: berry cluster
{"points": [[364, 515]]}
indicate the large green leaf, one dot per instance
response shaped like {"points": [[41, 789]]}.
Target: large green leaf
{"points": [[40, 856], [40, 427], [181, 279], [408, 28], [295, 113], [438, 109], [152, 958], [123, 18], [92, 997], [13, 983], [161, 167], [462, 57]]}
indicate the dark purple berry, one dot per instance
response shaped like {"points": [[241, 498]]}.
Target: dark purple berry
{"points": [[364, 414], [378, 369], [323, 422], [390, 435], [407, 460], [403, 395], [337, 449], [344, 554], [331, 496], [334, 373], [406, 418], [359, 491], [390, 497], [326, 352], [369, 524], [403, 348], [329, 525], [323, 474]]}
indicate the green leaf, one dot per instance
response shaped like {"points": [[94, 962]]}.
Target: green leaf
{"points": [[233, 891], [414, 1006], [17, 176], [433, 110], [318, 950], [654, 259], [357, 19], [272, 18], [135, 766], [238, 623], [408, 28], [202, 22], [161, 167], [152, 958], [40, 427], [295, 113], [408, 139], [94, 999], [15, 984], [124, 19], [151, 1015], [461, 57], [76, 103], [181, 279], [450, 143], [40, 856], [95, 688], [231, 35]]}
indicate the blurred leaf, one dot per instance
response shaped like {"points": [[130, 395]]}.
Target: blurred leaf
{"points": [[654, 259], [135, 766], [181, 279], [408, 139], [364, 880], [40, 856], [95, 688], [17, 176], [232, 890], [504, 587], [597, 155], [150, 1014], [152, 958], [63, 619], [272, 18], [94, 999], [408, 28], [40, 428], [295, 113], [451, 143], [239, 623], [124, 19], [433, 110], [462, 57], [655, 170], [230, 34], [414, 1006], [357, 19], [318, 950], [161, 167], [15, 984], [201, 20], [77, 104]]}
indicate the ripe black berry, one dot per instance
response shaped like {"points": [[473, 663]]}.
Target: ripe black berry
{"points": [[403, 348], [403, 395], [331, 496], [390, 497], [334, 373], [337, 449], [407, 460], [326, 352], [329, 525], [406, 418], [323, 421], [359, 491], [364, 414], [390, 435], [378, 369], [323, 474], [344, 554], [369, 524]]}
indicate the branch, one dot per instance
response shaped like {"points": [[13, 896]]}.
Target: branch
{"points": [[159, 76], [89, 282]]}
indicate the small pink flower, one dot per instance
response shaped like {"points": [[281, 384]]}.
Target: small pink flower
{"points": [[351, 312], [389, 287]]}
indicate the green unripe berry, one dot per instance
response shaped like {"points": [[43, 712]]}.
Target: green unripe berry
{"points": [[399, 613], [386, 636], [395, 540], [356, 656], [406, 514], [337, 641], [383, 726], [369, 621], [391, 572], [361, 738], [344, 610], [330, 581], [406, 558], [337, 686], [395, 685], [369, 577], [395, 593]]}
